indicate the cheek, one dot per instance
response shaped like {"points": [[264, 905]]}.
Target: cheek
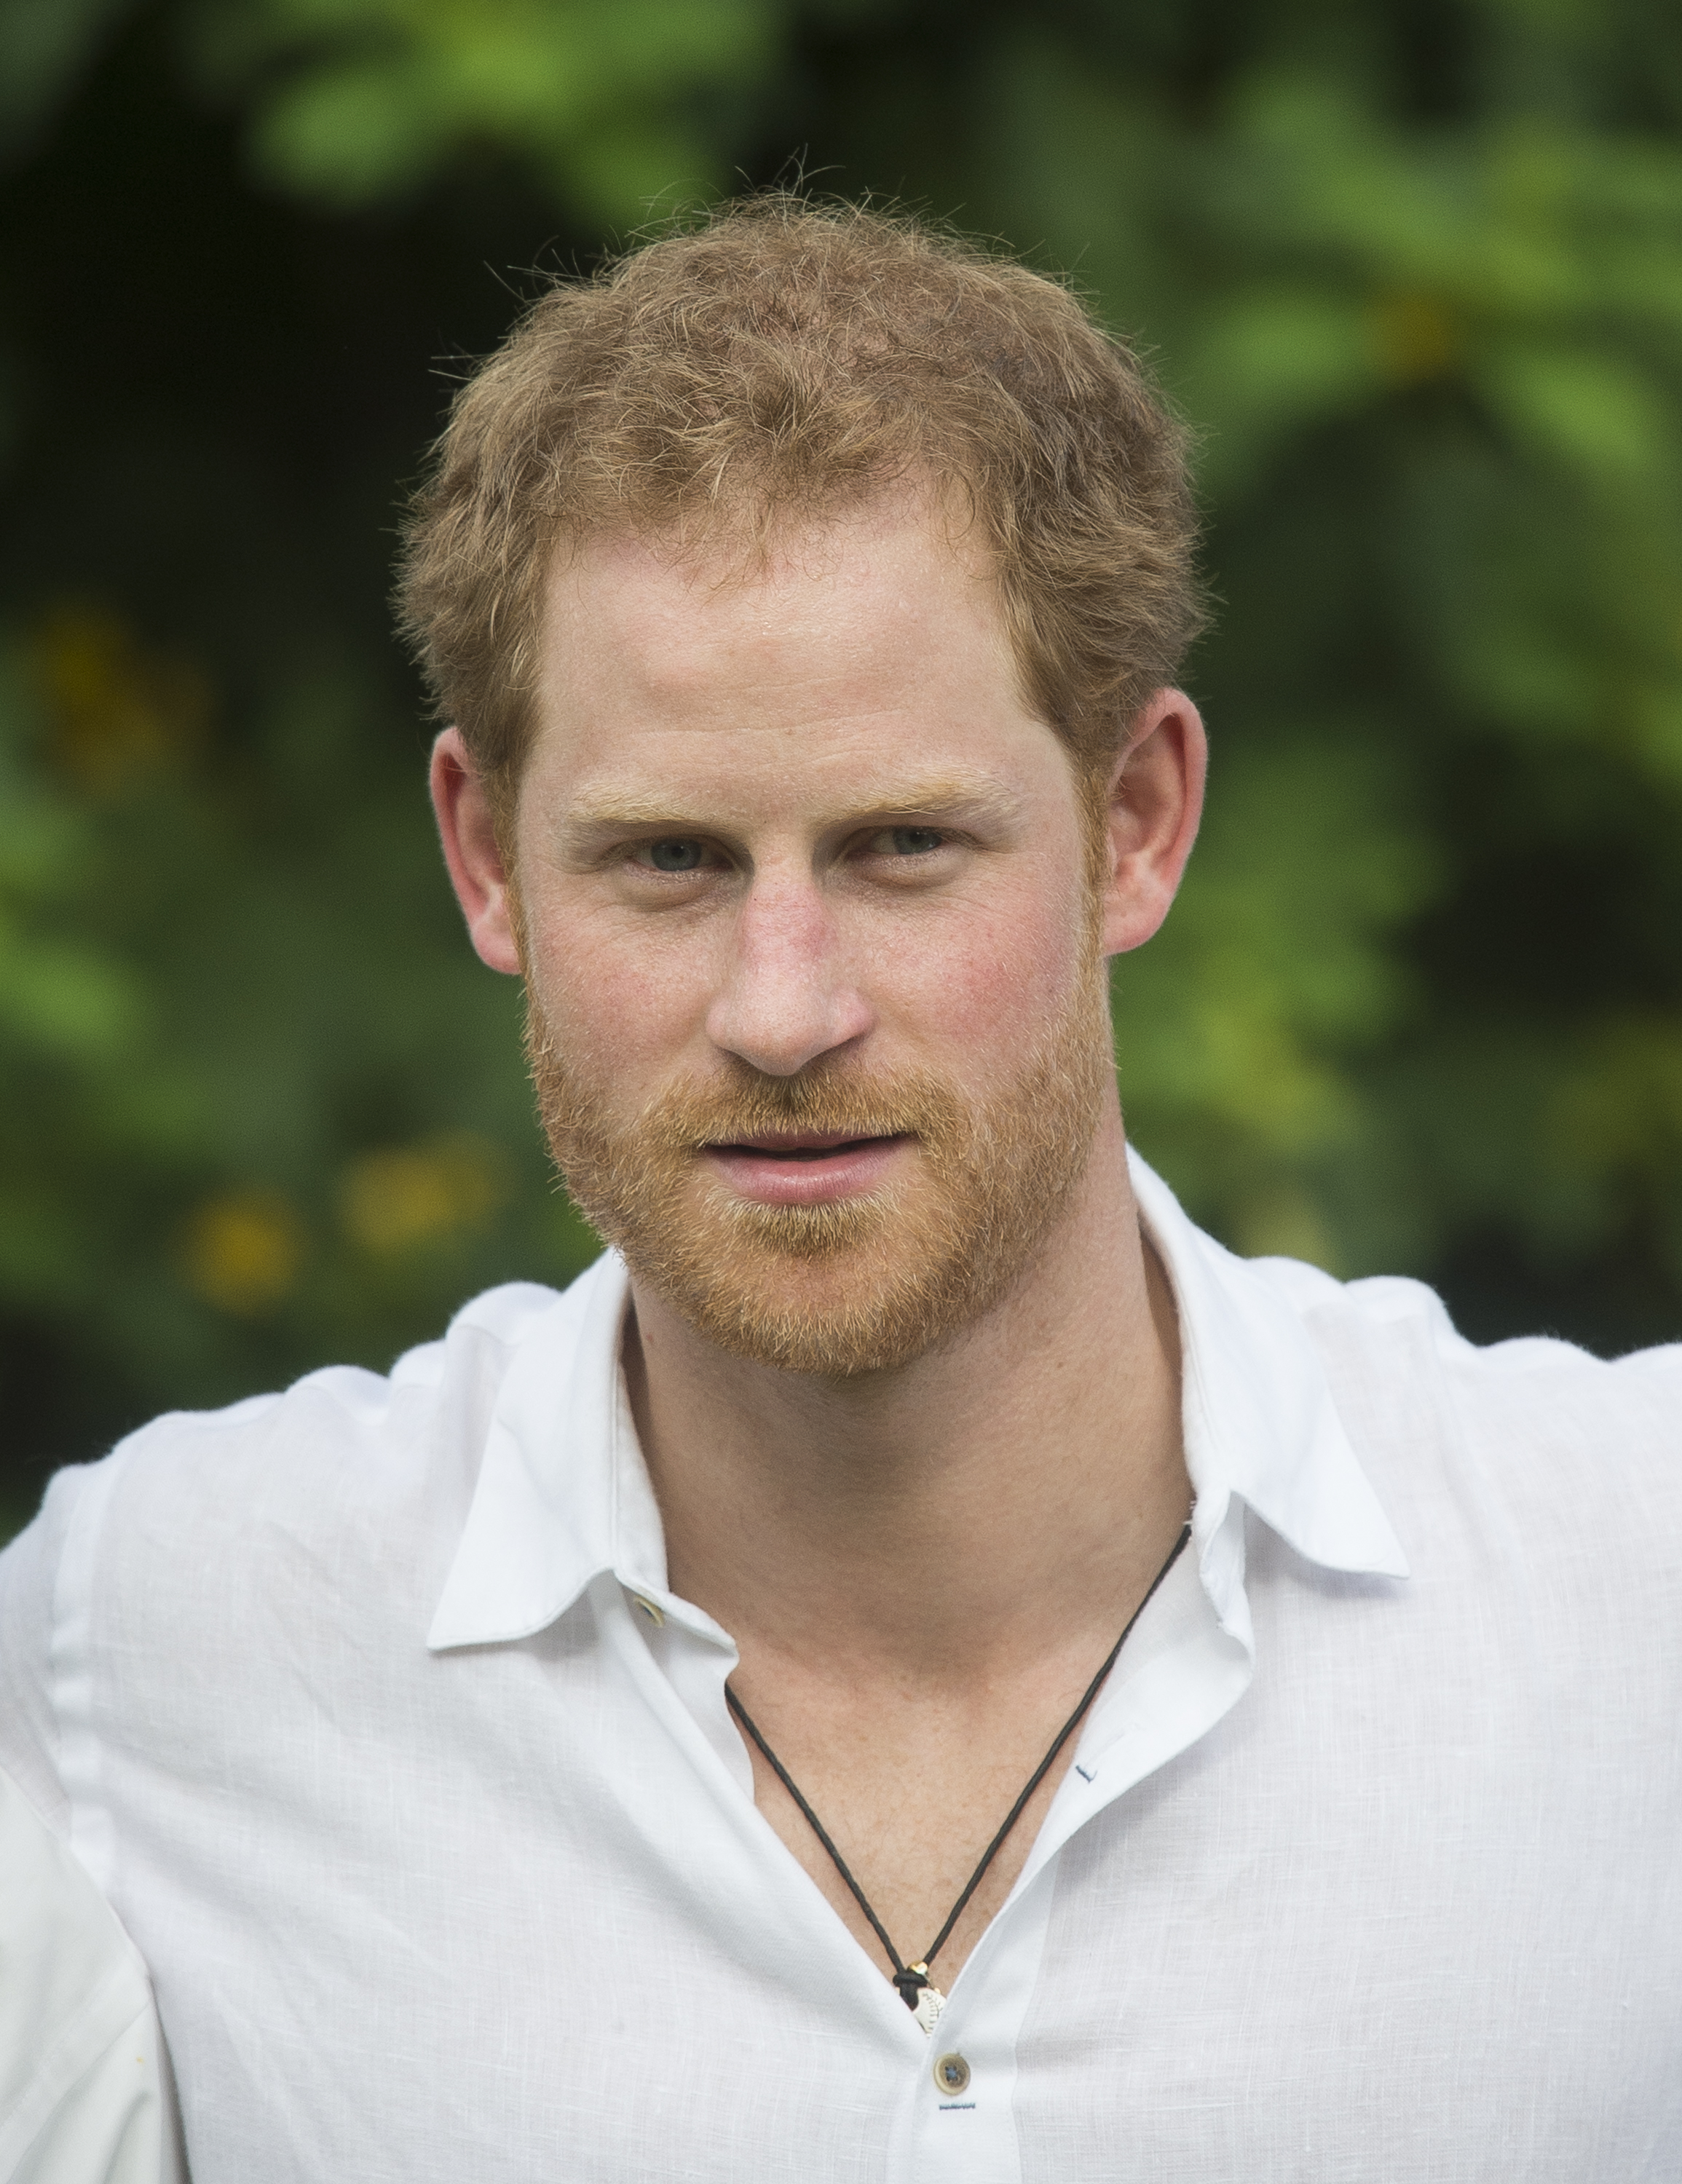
{"points": [[982, 986], [620, 1004]]}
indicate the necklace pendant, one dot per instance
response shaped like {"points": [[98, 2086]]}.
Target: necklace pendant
{"points": [[930, 2003]]}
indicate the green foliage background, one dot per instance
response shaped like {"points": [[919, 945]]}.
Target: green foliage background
{"points": [[1414, 268]]}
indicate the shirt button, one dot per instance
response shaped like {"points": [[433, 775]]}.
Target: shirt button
{"points": [[655, 1615], [952, 2074]]}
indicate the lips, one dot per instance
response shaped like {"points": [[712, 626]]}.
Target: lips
{"points": [[805, 1167]]}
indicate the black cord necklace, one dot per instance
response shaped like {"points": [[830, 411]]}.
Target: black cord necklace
{"points": [[917, 1990]]}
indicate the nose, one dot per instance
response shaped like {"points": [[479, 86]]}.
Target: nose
{"points": [[786, 998]]}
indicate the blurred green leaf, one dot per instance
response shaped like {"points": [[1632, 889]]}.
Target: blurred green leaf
{"points": [[358, 101], [44, 46], [1593, 412]]}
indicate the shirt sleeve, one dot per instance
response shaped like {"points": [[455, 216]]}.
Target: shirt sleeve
{"points": [[85, 2093], [29, 1576]]}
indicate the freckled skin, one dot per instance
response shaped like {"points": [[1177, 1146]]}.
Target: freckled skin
{"points": [[922, 1567]]}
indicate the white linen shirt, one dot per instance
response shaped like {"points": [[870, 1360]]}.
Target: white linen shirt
{"points": [[444, 1853], [84, 2092]]}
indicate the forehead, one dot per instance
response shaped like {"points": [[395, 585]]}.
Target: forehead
{"points": [[846, 648]]}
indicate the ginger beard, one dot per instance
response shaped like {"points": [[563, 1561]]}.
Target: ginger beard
{"points": [[861, 1284]]}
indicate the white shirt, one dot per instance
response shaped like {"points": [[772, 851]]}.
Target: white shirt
{"points": [[83, 2090], [444, 1853]]}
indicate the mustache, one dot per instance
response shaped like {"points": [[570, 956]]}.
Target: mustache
{"points": [[687, 1117]]}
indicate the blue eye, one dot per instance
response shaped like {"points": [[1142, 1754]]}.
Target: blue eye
{"points": [[914, 841], [676, 857]]}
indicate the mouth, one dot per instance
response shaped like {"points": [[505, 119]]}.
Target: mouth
{"points": [[800, 1144], [805, 1167]]}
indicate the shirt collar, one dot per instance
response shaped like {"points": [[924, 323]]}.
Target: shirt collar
{"points": [[1260, 1425], [563, 1494]]}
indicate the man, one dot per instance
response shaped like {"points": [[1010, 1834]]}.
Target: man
{"points": [[751, 1717]]}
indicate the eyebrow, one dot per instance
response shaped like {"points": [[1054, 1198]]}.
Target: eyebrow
{"points": [[951, 794]]}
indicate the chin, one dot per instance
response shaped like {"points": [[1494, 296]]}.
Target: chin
{"points": [[842, 1291]]}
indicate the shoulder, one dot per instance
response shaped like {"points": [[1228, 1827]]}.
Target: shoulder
{"points": [[1529, 1440], [1557, 1432], [342, 1432], [1388, 1324], [293, 1504]]}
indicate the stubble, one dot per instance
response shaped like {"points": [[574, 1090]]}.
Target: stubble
{"points": [[860, 1285]]}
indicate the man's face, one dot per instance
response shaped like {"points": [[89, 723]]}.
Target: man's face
{"points": [[818, 1019]]}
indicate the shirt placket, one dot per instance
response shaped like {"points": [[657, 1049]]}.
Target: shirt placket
{"points": [[955, 2122]]}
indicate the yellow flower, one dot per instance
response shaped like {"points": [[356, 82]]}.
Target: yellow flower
{"points": [[243, 1249], [1416, 337], [409, 1196], [117, 708]]}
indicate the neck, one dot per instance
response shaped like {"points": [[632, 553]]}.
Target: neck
{"points": [[950, 1520]]}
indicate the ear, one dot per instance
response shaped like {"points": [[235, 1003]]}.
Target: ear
{"points": [[1156, 799], [483, 887]]}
